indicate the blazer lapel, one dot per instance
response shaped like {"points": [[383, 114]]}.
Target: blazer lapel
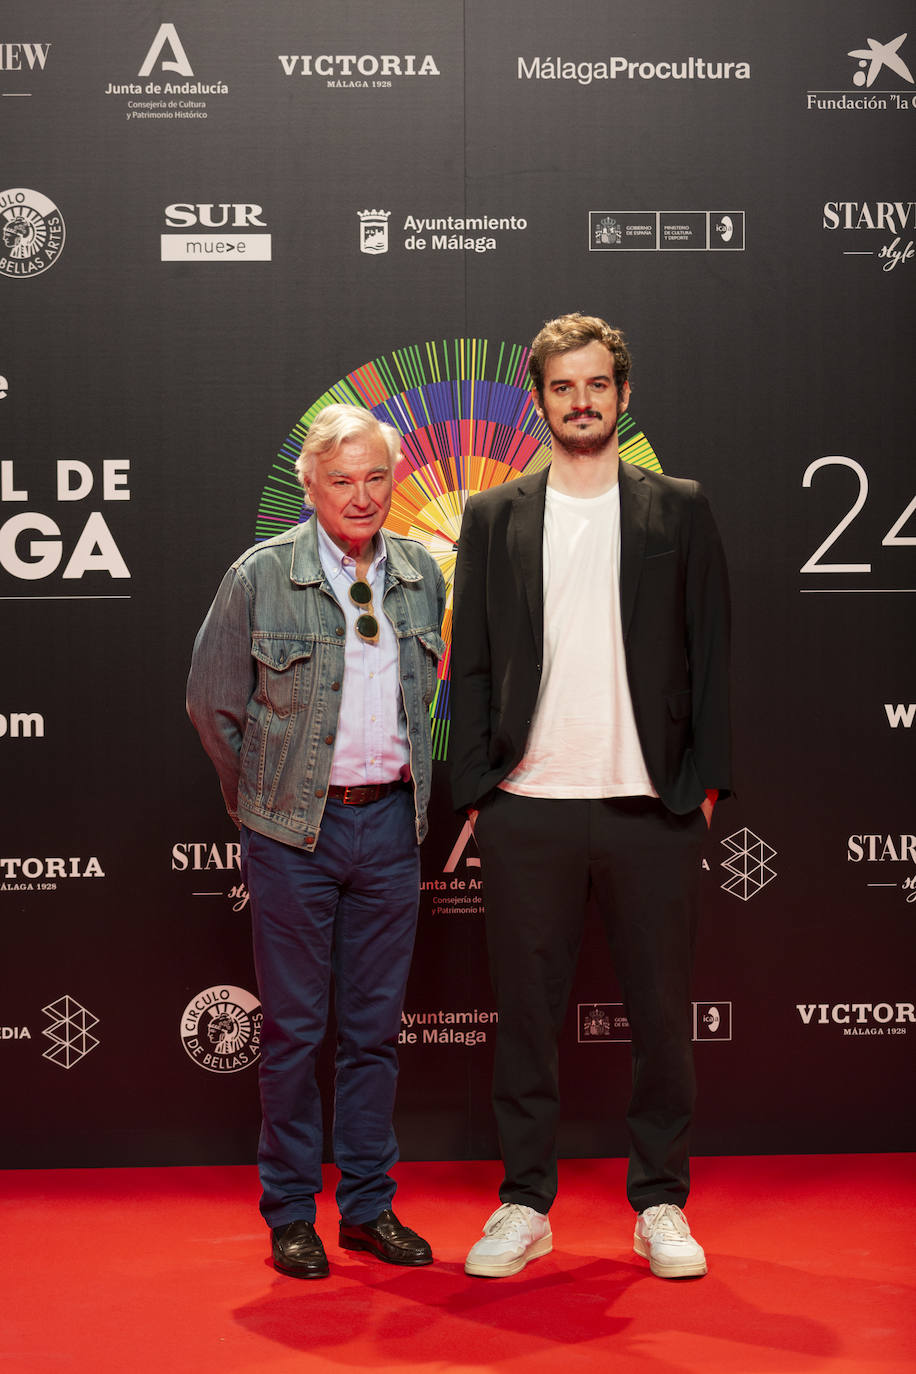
{"points": [[635, 500], [526, 540]]}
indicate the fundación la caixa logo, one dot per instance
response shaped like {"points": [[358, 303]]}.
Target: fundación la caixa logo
{"points": [[879, 80], [190, 233]]}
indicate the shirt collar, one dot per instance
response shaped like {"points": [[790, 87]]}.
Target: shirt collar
{"points": [[335, 561]]}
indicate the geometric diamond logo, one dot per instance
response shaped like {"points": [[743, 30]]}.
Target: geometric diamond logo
{"points": [[69, 1032], [749, 864]]}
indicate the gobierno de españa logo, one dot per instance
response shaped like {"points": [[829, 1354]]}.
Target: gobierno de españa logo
{"points": [[465, 413]]}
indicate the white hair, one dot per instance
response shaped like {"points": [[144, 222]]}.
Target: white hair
{"points": [[336, 424]]}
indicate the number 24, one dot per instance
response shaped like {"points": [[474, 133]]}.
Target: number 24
{"points": [[892, 538]]}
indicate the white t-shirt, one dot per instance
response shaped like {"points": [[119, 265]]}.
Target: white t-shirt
{"points": [[583, 740]]}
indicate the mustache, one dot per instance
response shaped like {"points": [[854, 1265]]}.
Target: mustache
{"points": [[581, 415]]}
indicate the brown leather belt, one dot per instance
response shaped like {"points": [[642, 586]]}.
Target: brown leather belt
{"points": [[365, 793]]}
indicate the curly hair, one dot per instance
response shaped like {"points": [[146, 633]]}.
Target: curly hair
{"points": [[567, 332]]}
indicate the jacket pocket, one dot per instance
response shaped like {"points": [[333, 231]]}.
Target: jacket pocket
{"points": [[285, 667]]}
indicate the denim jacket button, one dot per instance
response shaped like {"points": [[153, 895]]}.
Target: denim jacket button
{"points": [[335, 686], [329, 739], [338, 629]]}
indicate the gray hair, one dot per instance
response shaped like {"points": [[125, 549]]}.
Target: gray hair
{"points": [[336, 424]]}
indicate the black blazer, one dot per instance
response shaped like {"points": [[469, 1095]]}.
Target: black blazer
{"points": [[675, 617]]}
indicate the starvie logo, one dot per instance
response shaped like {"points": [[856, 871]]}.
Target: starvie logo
{"points": [[896, 217]]}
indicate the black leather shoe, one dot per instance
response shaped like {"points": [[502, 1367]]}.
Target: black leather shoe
{"points": [[387, 1239], [298, 1251]]}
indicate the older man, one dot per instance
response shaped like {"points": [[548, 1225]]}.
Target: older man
{"points": [[310, 687]]}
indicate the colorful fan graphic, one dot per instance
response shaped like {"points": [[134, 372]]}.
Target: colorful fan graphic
{"points": [[465, 414]]}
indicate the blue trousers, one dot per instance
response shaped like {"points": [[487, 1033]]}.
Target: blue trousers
{"points": [[347, 909]]}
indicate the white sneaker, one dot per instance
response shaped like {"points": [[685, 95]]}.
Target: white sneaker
{"points": [[663, 1237], [512, 1236]]}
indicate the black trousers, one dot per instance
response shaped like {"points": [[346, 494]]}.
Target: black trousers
{"points": [[541, 858]]}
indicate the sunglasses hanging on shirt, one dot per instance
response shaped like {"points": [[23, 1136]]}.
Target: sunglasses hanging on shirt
{"points": [[366, 623]]}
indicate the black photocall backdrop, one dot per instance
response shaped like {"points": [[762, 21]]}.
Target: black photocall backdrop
{"points": [[210, 223]]}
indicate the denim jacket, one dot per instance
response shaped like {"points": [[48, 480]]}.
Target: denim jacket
{"points": [[266, 674]]}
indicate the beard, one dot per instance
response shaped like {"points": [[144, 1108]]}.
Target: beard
{"points": [[581, 443]]}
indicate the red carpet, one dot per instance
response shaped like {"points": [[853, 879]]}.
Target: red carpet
{"points": [[135, 1270]]}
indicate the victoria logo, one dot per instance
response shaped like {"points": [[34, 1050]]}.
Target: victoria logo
{"points": [[859, 1018], [221, 1029], [346, 69], [31, 233]]}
